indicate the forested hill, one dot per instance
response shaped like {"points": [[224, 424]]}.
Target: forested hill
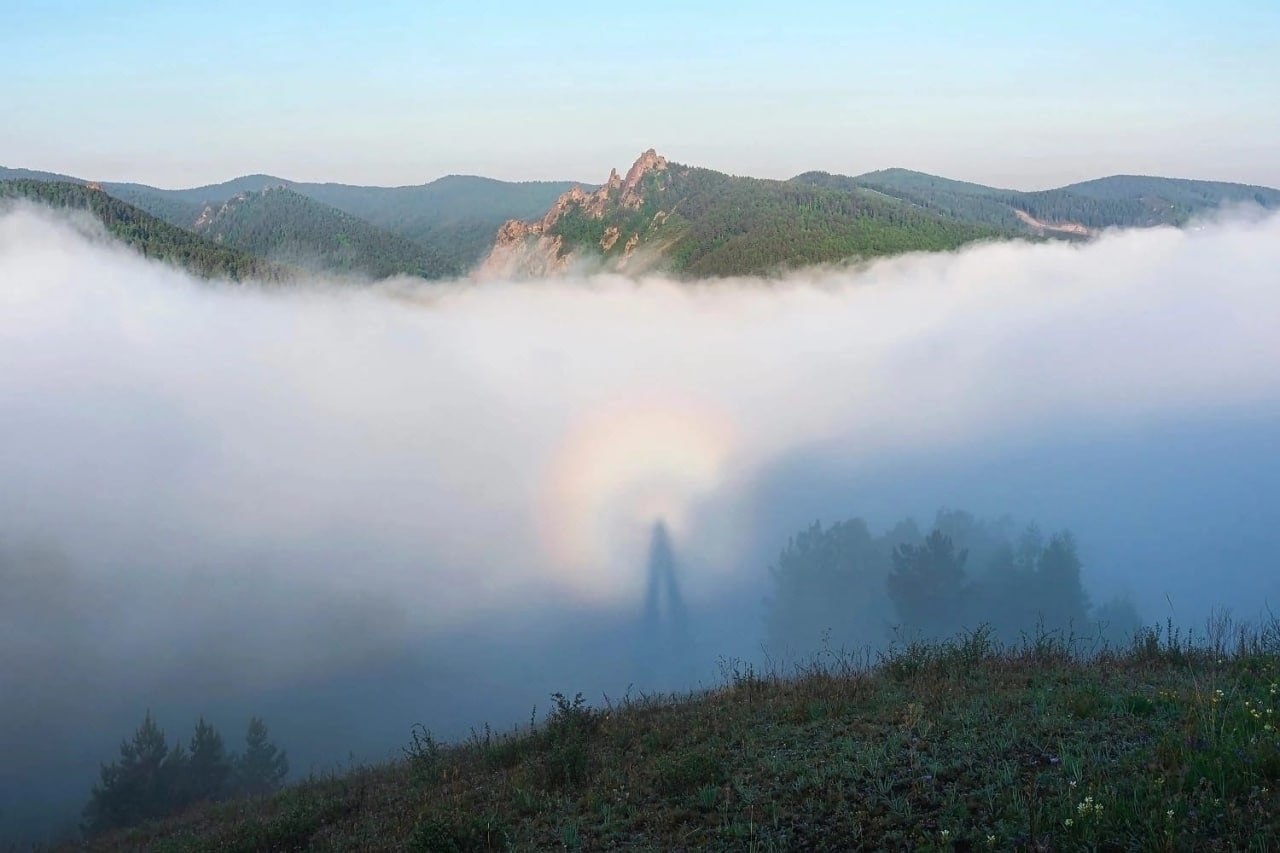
{"points": [[144, 232], [1117, 201], [290, 228], [699, 222], [661, 216], [1177, 191], [452, 218]]}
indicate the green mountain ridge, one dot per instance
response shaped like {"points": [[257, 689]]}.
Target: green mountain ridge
{"points": [[680, 219], [698, 222], [150, 236], [453, 218]]}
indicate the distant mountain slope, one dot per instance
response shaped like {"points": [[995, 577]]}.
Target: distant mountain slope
{"points": [[453, 218], [7, 174], [285, 226], [1117, 201], [700, 222], [149, 235], [212, 193], [159, 203], [456, 216], [176, 207], [1176, 191]]}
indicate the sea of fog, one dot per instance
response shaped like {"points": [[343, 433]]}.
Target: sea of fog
{"points": [[351, 508]]}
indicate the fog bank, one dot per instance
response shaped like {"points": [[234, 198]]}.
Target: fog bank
{"points": [[237, 497]]}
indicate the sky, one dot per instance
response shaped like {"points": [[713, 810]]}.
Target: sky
{"points": [[1008, 93]]}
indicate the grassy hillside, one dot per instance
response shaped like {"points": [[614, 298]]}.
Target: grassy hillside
{"points": [[1117, 201], [957, 746], [149, 235], [290, 228], [700, 222]]}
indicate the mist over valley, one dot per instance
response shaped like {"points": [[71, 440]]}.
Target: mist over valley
{"points": [[351, 508]]}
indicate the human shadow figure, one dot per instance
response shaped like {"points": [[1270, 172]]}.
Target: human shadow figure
{"points": [[666, 639]]}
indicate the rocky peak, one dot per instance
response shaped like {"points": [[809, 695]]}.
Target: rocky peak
{"points": [[596, 203], [530, 245], [649, 161]]}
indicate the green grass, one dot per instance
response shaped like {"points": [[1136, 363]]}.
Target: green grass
{"points": [[961, 745]]}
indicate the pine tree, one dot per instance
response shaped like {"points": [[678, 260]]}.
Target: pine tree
{"points": [[136, 787], [208, 769], [1065, 602], [829, 586], [928, 585], [262, 768]]}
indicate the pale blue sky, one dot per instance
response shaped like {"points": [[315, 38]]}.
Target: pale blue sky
{"points": [[1014, 93]]}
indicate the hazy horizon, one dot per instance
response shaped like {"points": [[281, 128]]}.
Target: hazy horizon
{"points": [[621, 166]]}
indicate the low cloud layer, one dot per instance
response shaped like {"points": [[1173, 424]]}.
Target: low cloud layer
{"points": [[215, 490]]}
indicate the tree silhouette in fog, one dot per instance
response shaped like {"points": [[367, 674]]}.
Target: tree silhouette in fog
{"points": [[1063, 599], [829, 586], [137, 787], [846, 586], [151, 780], [263, 767], [208, 771], [928, 585]]}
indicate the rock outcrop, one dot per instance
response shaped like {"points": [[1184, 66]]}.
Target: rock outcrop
{"points": [[528, 249]]}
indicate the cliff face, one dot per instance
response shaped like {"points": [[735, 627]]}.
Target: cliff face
{"points": [[531, 249], [524, 250]]}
